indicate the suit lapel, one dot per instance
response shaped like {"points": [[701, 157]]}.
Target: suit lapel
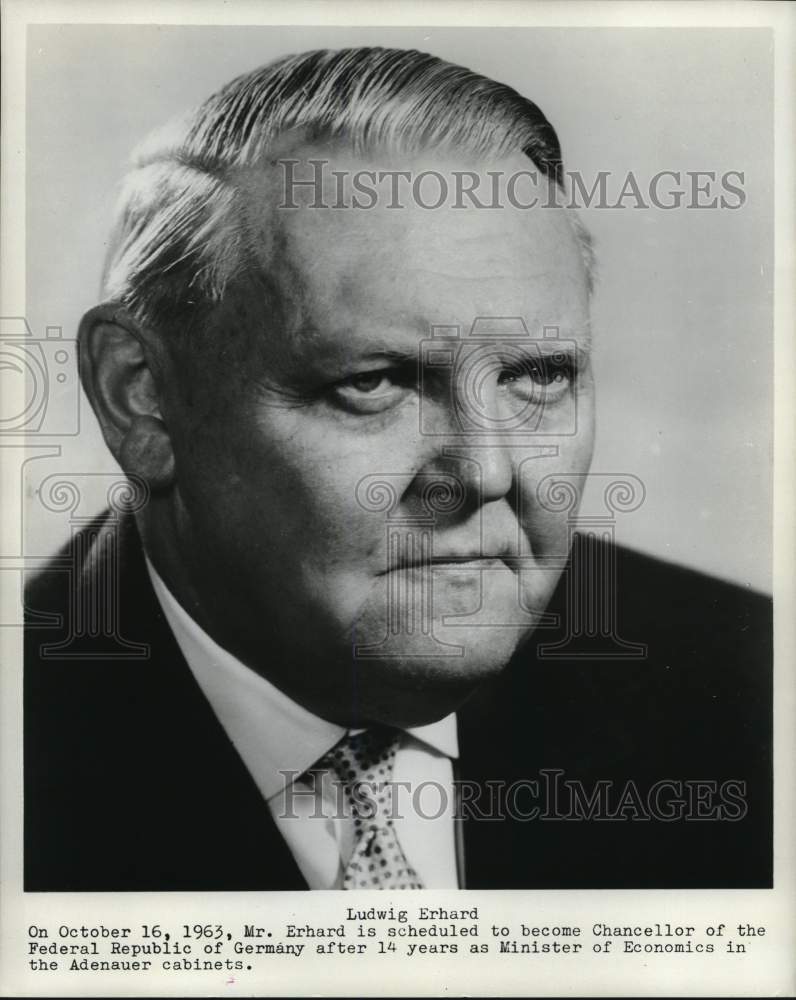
{"points": [[132, 782], [239, 837]]}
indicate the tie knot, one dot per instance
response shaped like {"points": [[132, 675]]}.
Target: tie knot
{"points": [[364, 757]]}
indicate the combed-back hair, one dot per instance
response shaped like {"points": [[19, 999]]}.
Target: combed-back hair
{"points": [[181, 236]]}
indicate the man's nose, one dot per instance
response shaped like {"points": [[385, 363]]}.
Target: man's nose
{"points": [[471, 444], [483, 450], [483, 464]]}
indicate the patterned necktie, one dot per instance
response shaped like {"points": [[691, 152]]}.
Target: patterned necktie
{"points": [[364, 764]]}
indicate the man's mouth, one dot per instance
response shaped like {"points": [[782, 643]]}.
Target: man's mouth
{"points": [[455, 561]]}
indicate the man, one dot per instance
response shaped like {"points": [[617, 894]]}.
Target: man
{"points": [[360, 418]]}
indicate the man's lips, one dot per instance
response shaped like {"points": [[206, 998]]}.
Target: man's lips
{"points": [[457, 561]]}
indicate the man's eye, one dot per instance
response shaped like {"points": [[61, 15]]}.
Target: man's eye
{"points": [[546, 378], [371, 391], [368, 382]]}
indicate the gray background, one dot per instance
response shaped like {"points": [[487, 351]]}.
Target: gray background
{"points": [[683, 310]]}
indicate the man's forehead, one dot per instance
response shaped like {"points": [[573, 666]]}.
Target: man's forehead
{"points": [[397, 271]]}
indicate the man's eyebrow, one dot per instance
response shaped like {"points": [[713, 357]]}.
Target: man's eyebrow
{"points": [[393, 354], [343, 355], [399, 343]]}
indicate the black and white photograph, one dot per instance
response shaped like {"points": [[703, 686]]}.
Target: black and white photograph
{"points": [[390, 435]]}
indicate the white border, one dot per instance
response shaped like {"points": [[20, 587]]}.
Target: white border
{"points": [[773, 970]]}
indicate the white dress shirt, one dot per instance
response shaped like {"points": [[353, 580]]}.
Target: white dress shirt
{"points": [[278, 740]]}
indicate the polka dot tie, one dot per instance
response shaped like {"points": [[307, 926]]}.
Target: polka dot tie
{"points": [[364, 765]]}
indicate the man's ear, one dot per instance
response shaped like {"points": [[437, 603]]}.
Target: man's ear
{"points": [[117, 369]]}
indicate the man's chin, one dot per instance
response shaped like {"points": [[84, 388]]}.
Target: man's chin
{"points": [[420, 680]]}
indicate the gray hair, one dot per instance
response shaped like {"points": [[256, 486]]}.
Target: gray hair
{"points": [[181, 237]]}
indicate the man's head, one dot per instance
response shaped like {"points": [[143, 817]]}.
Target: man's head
{"points": [[344, 494]]}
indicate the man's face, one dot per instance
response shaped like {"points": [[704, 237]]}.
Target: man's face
{"points": [[317, 439]]}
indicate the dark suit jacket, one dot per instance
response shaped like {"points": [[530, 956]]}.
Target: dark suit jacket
{"points": [[131, 783]]}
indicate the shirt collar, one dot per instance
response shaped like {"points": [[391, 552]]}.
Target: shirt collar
{"points": [[274, 735]]}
